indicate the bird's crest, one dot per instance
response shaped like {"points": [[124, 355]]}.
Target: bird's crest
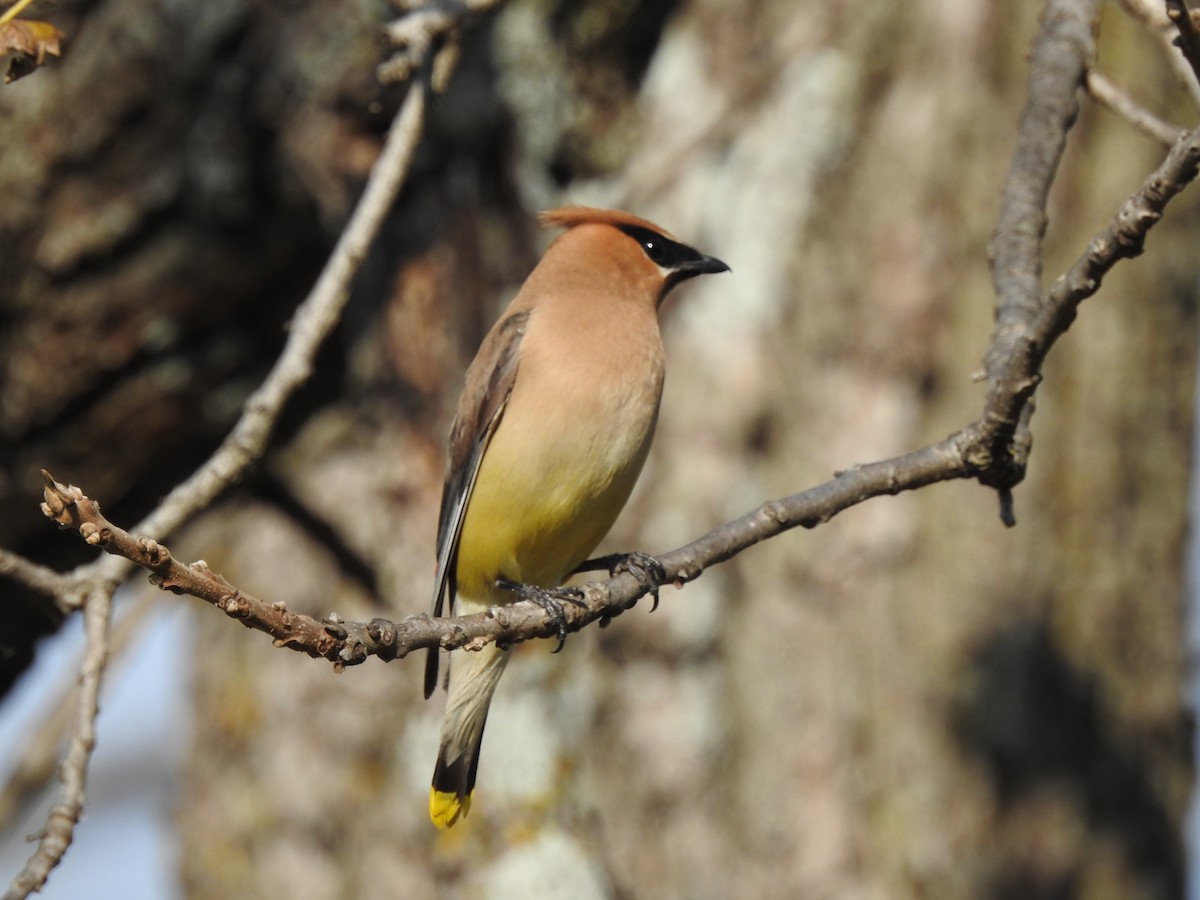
{"points": [[570, 216]]}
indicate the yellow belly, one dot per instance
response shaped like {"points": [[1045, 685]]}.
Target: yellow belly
{"points": [[547, 495]]}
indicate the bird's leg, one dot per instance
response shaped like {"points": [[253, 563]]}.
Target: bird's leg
{"points": [[549, 599], [642, 566]]}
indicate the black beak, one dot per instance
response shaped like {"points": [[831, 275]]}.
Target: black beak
{"points": [[701, 265]]}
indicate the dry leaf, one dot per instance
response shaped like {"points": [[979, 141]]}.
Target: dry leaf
{"points": [[32, 41]]}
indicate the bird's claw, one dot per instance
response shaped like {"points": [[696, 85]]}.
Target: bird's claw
{"points": [[549, 599], [645, 568]]}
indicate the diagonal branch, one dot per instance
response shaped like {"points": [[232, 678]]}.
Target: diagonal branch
{"points": [[1110, 96], [1124, 238], [314, 319]]}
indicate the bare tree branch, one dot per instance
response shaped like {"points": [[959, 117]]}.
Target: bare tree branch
{"points": [[32, 771], [59, 829], [314, 319], [1188, 40], [1061, 54], [1124, 238], [37, 578], [1153, 15], [427, 34], [1107, 94]]}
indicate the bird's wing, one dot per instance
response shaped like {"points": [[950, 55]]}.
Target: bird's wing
{"points": [[489, 385]]}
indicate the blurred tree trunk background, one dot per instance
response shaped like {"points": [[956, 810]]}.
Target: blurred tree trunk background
{"points": [[911, 701]]}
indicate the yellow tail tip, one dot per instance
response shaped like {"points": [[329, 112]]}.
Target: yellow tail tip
{"points": [[445, 808]]}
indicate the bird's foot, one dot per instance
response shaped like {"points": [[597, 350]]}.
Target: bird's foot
{"points": [[549, 599], [645, 568]]}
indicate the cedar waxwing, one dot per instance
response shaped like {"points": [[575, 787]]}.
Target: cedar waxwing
{"points": [[551, 432]]}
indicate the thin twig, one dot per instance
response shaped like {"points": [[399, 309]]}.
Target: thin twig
{"points": [[1124, 238], [1188, 40], [1108, 95], [36, 764], [349, 643], [1153, 16], [59, 829], [47, 582]]}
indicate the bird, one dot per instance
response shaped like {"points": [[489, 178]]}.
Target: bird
{"points": [[551, 431]]}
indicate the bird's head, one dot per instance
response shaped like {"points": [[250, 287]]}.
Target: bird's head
{"points": [[630, 247]]}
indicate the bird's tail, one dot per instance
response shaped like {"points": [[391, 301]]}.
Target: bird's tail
{"points": [[473, 679]]}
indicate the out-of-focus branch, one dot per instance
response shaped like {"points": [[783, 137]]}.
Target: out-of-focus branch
{"points": [[314, 319], [1107, 94], [35, 766], [427, 34], [47, 582], [1188, 40], [59, 829], [1153, 15]]}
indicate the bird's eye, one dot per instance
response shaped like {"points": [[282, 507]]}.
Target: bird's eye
{"points": [[660, 250], [656, 250]]}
